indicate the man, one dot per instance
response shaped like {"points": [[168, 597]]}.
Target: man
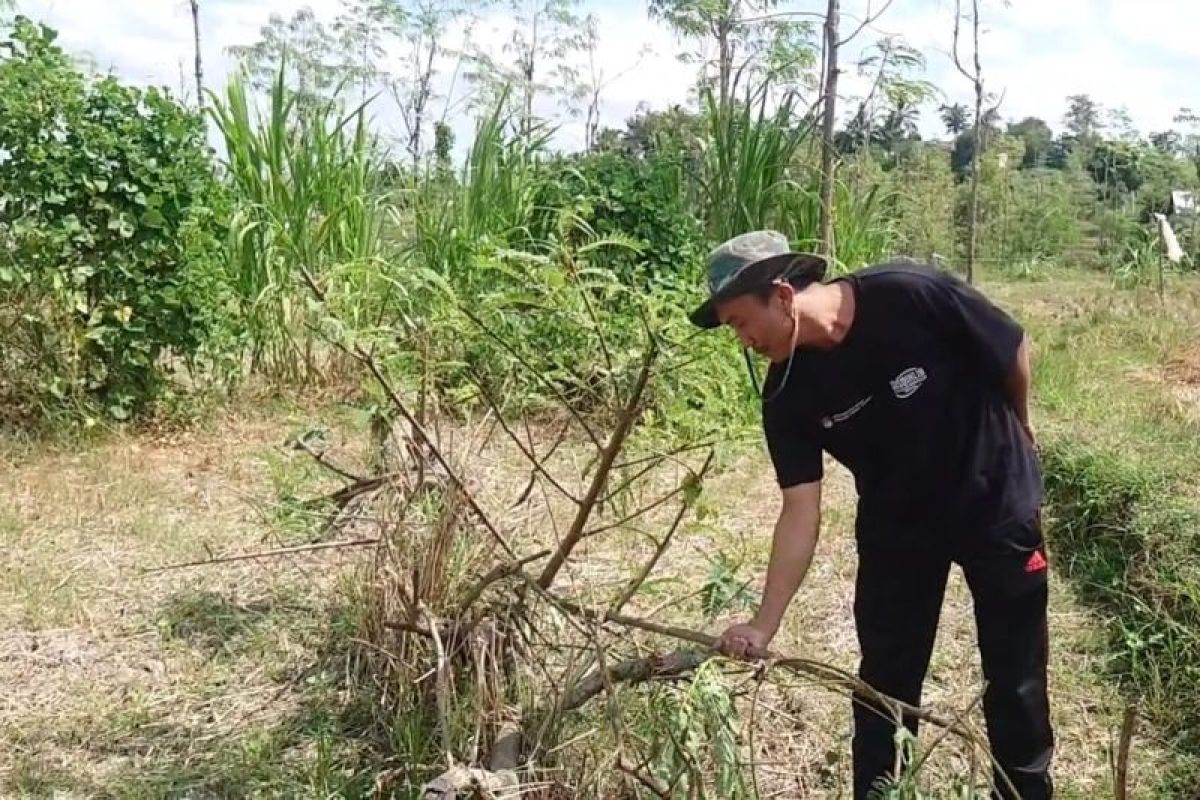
{"points": [[919, 386]]}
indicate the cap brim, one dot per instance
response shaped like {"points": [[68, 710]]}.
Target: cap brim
{"points": [[808, 266]]}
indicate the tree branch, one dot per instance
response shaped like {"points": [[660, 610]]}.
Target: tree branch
{"points": [[649, 566], [607, 458]]}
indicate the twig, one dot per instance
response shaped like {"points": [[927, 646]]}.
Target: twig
{"points": [[371, 364], [1126, 744], [608, 457], [530, 456], [566, 403], [958, 719], [496, 573], [653, 784], [865, 22], [660, 457], [633, 670], [282, 551], [663, 544], [441, 684], [329, 465], [634, 515]]}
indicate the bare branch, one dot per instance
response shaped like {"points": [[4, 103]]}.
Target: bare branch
{"points": [[663, 544], [1128, 725], [441, 684], [607, 458], [372, 365], [538, 374], [529, 456], [631, 517], [499, 572], [329, 465], [283, 551], [653, 784], [869, 20], [633, 670]]}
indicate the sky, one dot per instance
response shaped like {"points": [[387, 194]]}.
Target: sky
{"points": [[1139, 54]]}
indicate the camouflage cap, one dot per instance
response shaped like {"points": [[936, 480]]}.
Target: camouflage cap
{"points": [[751, 261]]}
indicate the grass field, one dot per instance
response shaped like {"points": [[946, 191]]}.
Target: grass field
{"points": [[231, 680]]}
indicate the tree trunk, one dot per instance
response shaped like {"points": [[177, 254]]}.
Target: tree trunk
{"points": [[828, 161], [973, 234], [199, 62], [725, 62]]}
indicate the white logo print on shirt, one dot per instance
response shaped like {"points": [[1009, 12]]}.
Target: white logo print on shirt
{"points": [[908, 382]]}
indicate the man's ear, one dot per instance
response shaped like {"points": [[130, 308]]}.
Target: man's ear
{"points": [[784, 293]]}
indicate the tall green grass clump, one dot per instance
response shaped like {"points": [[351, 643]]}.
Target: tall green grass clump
{"points": [[308, 205]]}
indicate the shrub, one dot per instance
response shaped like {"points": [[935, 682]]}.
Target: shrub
{"points": [[617, 195], [108, 224]]}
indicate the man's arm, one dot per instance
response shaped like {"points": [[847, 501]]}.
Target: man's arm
{"points": [[1017, 383], [795, 539]]}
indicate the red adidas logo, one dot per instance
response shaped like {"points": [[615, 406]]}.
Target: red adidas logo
{"points": [[1036, 562]]}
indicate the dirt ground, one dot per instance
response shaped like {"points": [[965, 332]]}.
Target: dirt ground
{"points": [[207, 682]]}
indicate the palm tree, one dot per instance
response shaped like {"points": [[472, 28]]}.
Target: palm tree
{"points": [[955, 118]]}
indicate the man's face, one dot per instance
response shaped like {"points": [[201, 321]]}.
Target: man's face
{"points": [[764, 326]]}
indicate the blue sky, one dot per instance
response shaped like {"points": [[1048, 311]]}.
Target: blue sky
{"points": [[1140, 54]]}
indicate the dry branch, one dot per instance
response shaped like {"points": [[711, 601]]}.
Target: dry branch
{"points": [[608, 457], [282, 551], [530, 456], [633, 670], [499, 572], [663, 543]]}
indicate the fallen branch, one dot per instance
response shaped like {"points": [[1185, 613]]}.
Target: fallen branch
{"points": [[816, 669], [633, 670], [283, 551], [319, 457]]}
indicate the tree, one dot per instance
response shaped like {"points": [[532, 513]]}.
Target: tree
{"points": [[545, 34], [1120, 125], [361, 32], [1191, 140], [955, 118], [753, 43], [894, 86], [1169, 142], [425, 26], [303, 44], [1038, 139], [1083, 117], [974, 75], [195, 6], [829, 84]]}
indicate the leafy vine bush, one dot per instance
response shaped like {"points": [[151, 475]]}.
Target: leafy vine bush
{"points": [[110, 214], [639, 199]]}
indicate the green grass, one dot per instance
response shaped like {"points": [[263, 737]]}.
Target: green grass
{"points": [[1120, 462]]}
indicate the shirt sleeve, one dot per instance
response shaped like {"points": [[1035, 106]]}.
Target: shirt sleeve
{"points": [[794, 454], [988, 334]]}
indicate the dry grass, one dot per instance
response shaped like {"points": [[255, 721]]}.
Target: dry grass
{"points": [[224, 681]]}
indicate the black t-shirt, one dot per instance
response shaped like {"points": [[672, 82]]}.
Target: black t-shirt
{"points": [[913, 402]]}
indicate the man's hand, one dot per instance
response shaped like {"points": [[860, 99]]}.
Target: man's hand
{"points": [[744, 641], [1029, 432]]}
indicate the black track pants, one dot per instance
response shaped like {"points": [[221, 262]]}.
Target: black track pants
{"points": [[897, 604]]}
